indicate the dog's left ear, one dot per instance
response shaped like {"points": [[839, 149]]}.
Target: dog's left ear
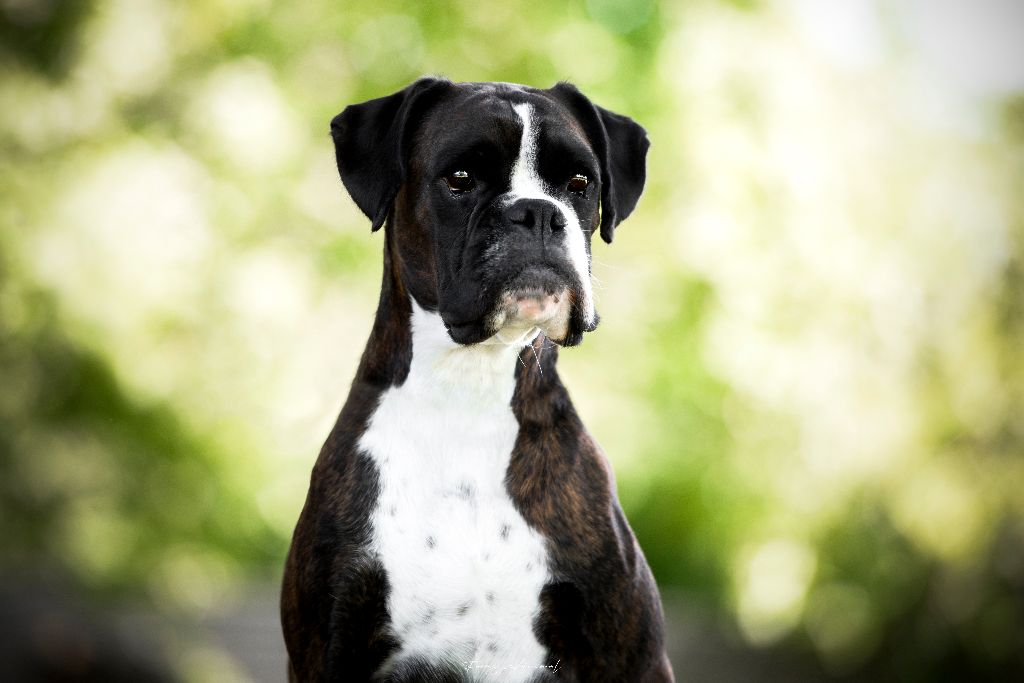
{"points": [[370, 141], [621, 145]]}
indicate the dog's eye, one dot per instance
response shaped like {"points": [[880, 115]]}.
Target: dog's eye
{"points": [[459, 182], [578, 184]]}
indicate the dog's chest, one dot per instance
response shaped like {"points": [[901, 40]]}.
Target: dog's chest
{"points": [[465, 570]]}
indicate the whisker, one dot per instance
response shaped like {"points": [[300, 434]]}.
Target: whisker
{"points": [[539, 368], [609, 266]]}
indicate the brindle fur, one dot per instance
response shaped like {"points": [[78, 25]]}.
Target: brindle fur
{"points": [[600, 616]]}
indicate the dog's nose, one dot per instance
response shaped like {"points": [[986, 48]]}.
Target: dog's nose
{"points": [[536, 214]]}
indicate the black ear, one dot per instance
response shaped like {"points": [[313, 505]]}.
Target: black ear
{"points": [[370, 141], [621, 146]]}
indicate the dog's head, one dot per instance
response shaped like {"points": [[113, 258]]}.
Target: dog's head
{"points": [[492, 192]]}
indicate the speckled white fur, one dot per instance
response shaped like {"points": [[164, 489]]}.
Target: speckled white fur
{"points": [[527, 184], [465, 569]]}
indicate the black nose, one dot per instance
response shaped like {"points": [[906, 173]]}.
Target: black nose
{"points": [[536, 214]]}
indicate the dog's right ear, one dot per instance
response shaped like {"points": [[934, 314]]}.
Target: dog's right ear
{"points": [[370, 141], [621, 145]]}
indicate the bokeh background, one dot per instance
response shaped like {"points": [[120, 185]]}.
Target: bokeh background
{"points": [[809, 378]]}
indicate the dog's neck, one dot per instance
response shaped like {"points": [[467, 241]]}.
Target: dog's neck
{"points": [[444, 371]]}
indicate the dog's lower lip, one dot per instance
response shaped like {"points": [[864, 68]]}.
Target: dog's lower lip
{"points": [[523, 295]]}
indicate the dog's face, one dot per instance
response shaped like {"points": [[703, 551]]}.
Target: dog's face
{"points": [[494, 191]]}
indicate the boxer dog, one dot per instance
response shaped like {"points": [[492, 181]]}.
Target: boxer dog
{"points": [[461, 523]]}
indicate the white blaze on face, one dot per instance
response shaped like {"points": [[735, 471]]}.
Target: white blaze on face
{"points": [[527, 184]]}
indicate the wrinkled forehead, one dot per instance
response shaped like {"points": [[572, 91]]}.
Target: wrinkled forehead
{"points": [[488, 118]]}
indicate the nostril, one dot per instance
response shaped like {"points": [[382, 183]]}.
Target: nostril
{"points": [[558, 220]]}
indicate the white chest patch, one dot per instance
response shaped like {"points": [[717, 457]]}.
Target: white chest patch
{"points": [[465, 570]]}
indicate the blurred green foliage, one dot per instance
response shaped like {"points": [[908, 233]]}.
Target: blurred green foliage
{"points": [[809, 376]]}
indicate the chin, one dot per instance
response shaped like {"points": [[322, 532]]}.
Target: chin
{"points": [[524, 312]]}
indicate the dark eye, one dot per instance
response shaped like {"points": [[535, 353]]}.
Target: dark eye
{"points": [[459, 182], [578, 184]]}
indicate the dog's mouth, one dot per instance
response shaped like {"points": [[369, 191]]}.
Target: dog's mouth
{"points": [[539, 297], [532, 307]]}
